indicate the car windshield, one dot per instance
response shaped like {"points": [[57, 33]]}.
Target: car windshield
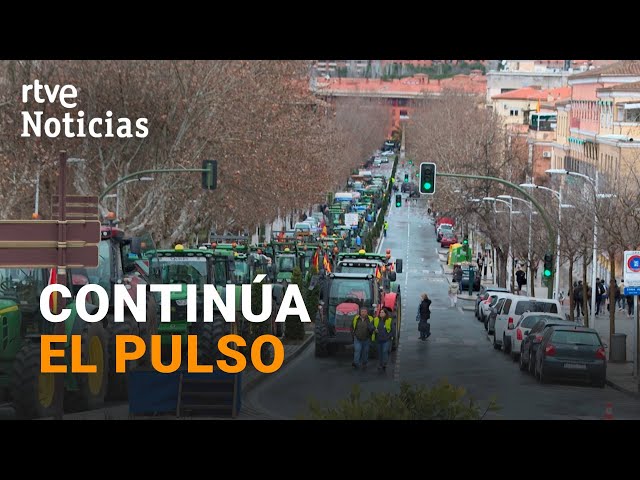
{"points": [[528, 322], [355, 291], [533, 306], [241, 273], [572, 337], [188, 270], [23, 284], [286, 264]]}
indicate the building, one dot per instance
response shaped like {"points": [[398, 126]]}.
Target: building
{"points": [[515, 106], [499, 82], [601, 120], [398, 93]]}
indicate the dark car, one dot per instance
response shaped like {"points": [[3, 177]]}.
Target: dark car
{"points": [[571, 352], [483, 294], [531, 340], [465, 278]]}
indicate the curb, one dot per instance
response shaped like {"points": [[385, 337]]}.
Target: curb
{"points": [[622, 389], [248, 386]]}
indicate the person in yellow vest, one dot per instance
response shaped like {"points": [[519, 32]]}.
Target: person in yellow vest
{"points": [[383, 333], [362, 329]]}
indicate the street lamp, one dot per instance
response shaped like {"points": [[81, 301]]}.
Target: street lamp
{"points": [[509, 254], [529, 247], [117, 195], [594, 184]]}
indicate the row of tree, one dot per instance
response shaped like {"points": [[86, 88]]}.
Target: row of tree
{"points": [[279, 148], [461, 136]]}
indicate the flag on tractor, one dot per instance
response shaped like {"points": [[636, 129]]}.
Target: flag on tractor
{"points": [[326, 264], [315, 260], [378, 273], [53, 299]]}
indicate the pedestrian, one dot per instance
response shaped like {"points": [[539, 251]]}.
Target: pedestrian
{"points": [[521, 279], [361, 329], [620, 296], [600, 289], [561, 297], [383, 333], [629, 299], [424, 314], [457, 276], [386, 226], [358, 240], [453, 294], [577, 299]]}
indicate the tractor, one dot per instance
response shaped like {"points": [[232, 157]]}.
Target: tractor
{"points": [[123, 260], [375, 263], [184, 267], [33, 393], [342, 295]]}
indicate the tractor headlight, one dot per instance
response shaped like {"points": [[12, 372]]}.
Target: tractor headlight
{"points": [[181, 303]]}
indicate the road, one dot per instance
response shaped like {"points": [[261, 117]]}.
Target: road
{"points": [[458, 350]]}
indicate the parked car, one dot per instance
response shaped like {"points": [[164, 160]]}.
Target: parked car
{"points": [[511, 312], [517, 335], [442, 229], [384, 159], [490, 321], [388, 153], [448, 238], [482, 296], [485, 306], [465, 278], [377, 162], [571, 352], [531, 341]]}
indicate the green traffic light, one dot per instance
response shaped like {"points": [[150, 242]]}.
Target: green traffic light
{"points": [[547, 273], [427, 186]]}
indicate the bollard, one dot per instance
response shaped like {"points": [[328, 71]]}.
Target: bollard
{"points": [[471, 280]]}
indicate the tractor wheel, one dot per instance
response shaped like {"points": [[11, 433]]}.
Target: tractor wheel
{"points": [[209, 333], [150, 327], [322, 334], [396, 340], [118, 386], [92, 387], [33, 393]]}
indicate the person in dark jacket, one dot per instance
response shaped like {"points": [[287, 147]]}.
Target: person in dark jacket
{"points": [[424, 314], [457, 276], [361, 329], [383, 333]]}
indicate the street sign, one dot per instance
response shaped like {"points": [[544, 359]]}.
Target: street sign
{"points": [[24, 233], [78, 212], [86, 256], [631, 268], [631, 291]]}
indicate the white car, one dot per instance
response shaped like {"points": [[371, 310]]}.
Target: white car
{"points": [[510, 313], [524, 325], [485, 306], [388, 153]]}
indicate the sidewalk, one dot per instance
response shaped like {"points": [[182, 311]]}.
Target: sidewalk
{"points": [[251, 378]]}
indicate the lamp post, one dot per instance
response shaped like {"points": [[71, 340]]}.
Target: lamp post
{"points": [[509, 254], [529, 246], [594, 184]]}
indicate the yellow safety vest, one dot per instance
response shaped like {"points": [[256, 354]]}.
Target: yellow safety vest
{"points": [[355, 320], [387, 326]]}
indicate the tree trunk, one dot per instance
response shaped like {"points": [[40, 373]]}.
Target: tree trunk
{"points": [[502, 271], [571, 302], [585, 293], [612, 297], [532, 280]]}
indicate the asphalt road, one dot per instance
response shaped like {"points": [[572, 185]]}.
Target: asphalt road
{"points": [[458, 351]]}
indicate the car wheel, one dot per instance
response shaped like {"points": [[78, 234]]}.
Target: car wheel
{"points": [[506, 347], [496, 345], [523, 366]]}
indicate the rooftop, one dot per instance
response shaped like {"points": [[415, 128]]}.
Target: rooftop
{"points": [[622, 68], [623, 87], [535, 93]]}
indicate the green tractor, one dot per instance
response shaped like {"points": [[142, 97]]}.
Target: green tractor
{"points": [[33, 393], [184, 267]]}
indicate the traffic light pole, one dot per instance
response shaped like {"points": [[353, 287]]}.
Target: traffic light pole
{"points": [[551, 232], [147, 172]]}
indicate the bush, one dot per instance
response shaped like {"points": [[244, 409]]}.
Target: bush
{"points": [[441, 402], [294, 328]]}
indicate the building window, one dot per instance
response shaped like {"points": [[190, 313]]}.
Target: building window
{"points": [[632, 115], [513, 113]]}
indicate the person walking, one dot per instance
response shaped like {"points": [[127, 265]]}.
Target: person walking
{"points": [[577, 298], [620, 300], [424, 314], [457, 276], [600, 289], [453, 295], [361, 329], [383, 333], [521, 279], [480, 265], [386, 226]]}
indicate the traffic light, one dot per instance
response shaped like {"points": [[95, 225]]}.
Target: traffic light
{"points": [[398, 200], [427, 178], [406, 178], [548, 265], [209, 174], [410, 162], [465, 241]]}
